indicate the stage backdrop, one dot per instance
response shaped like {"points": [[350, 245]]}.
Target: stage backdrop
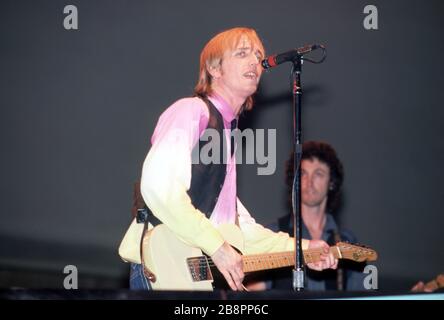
{"points": [[78, 108]]}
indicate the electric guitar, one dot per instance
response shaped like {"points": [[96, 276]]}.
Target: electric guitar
{"points": [[177, 266]]}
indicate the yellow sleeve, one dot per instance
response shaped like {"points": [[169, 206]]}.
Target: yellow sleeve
{"points": [[259, 239]]}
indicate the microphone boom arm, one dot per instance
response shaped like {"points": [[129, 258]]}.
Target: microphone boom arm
{"points": [[293, 56]]}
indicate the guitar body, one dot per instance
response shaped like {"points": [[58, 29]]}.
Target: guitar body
{"points": [[178, 266], [166, 256]]}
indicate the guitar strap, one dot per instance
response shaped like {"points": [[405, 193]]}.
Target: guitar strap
{"points": [[143, 215], [147, 272]]}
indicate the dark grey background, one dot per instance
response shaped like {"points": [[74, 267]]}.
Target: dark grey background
{"points": [[78, 109]]}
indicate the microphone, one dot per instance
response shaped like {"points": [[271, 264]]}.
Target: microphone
{"points": [[274, 60]]}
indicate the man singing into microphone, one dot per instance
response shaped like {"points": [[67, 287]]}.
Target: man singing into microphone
{"points": [[192, 199]]}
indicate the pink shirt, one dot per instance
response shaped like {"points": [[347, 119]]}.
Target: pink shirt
{"points": [[182, 115]]}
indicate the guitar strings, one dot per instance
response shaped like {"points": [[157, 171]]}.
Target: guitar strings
{"points": [[312, 254], [249, 259]]}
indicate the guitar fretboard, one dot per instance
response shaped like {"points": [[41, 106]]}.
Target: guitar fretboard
{"points": [[257, 262], [268, 261]]}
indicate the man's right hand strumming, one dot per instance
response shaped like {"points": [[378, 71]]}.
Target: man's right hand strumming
{"points": [[229, 263]]}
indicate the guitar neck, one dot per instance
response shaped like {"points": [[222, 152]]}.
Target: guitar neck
{"points": [[258, 262]]}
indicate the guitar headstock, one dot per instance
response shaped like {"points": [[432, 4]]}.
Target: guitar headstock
{"points": [[356, 252]]}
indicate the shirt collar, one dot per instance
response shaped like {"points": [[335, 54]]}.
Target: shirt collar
{"points": [[330, 224], [223, 107]]}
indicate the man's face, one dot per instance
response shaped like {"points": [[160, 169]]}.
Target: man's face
{"points": [[315, 179], [240, 70]]}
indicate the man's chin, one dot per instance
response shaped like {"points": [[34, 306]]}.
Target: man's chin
{"points": [[312, 203], [251, 91]]}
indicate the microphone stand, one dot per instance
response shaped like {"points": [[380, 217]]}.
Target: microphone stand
{"points": [[298, 271]]}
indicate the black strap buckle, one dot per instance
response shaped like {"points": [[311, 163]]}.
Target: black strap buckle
{"points": [[145, 215], [142, 215]]}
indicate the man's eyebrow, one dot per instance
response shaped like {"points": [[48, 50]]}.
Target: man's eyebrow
{"points": [[250, 48]]}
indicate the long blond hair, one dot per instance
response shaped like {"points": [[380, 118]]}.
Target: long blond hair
{"points": [[213, 52]]}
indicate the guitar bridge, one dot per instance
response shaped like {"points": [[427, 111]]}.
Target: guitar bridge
{"points": [[199, 268]]}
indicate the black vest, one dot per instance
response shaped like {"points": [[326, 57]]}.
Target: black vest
{"points": [[207, 180]]}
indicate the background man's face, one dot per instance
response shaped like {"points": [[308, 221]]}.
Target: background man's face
{"points": [[315, 179]]}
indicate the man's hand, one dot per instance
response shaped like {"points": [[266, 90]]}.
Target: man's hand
{"points": [[229, 263], [421, 287], [327, 258]]}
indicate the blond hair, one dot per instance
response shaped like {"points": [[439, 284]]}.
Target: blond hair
{"points": [[212, 55]]}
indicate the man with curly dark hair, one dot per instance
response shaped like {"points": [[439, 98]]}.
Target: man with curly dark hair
{"points": [[321, 180], [323, 157]]}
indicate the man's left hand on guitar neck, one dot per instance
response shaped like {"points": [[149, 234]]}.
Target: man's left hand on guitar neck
{"points": [[328, 261]]}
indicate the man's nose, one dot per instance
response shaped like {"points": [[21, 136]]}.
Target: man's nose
{"points": [[255, 59], [309, 181]]}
